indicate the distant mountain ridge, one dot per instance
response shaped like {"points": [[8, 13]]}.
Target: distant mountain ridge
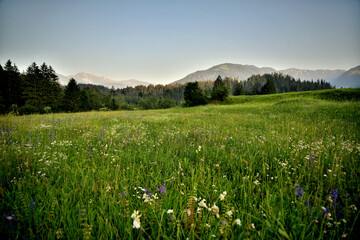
{"points": [[349, 79], [88, 78], [242, 72]]}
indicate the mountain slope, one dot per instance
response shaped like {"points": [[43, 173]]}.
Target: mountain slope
{"points": [[349, 79], [304, 74], [225, 70], [87, 78], [243, 72]]}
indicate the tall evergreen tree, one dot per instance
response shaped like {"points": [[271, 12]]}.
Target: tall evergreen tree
{"points": [[41, 87], [52, 89], [255, 89], [220, 91], [32, 88], [269, 87], [238, 89], [10, 85], [72, 96], [194, 95]]}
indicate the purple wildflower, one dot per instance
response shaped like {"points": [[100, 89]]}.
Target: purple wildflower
{"points": [[335, 194], [299, 191]]}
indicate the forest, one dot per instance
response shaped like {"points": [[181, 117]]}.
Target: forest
{"points": [[37, 90]]}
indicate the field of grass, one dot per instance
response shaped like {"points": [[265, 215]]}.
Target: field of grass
{"points": [[283, 166]]}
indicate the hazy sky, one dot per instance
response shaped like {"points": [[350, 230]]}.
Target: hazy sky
{"points": [[163, 41]]}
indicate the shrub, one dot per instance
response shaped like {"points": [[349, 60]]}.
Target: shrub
{"points": [[28, 109]]}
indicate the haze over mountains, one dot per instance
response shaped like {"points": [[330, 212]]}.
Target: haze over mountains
{"points": [[338, 78], [349, 79], [87, 78], [243, 72]]}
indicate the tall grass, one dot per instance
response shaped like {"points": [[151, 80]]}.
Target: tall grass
{"points": [[269, 167]]}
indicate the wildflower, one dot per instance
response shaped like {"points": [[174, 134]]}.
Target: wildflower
{"points": [[136, 217], [353, 207], [229, 213], [202, 203], [135, 214], [136, 223], [253, 226], [90, 156], [170, 211], [188, 211], [326, 212], [238, 222], [299, 191], [222, 196], [216, 210], [32, 204], [10, 218], [256, 182]]}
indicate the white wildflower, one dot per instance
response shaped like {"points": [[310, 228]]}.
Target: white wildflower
{"points": [[136, 223], [203, 203], [216, 210], [238, 222], [229, 213], [222, 195], [170, 211]]}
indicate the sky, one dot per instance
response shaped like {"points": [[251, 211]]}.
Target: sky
{"points": [[163, 41]]}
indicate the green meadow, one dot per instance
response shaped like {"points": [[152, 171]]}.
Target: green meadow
{"points": [[282, 166]]}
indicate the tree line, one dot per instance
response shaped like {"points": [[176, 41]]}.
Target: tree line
{"points": [[37, 90]]}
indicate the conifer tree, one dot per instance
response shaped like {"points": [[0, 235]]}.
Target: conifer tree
{"points": [[194, 95], [220, 91], [72, 96], [269, 87]]}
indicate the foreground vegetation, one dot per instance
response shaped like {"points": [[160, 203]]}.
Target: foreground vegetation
{"points": [[275, 166]]}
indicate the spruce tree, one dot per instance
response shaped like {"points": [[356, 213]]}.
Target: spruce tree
{"points": [[194, 95], [238, 89], [72, 96], [269, 87], [220, 91]]}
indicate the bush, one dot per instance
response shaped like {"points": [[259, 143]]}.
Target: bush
{"points": [[28, 109], [47, 109]]}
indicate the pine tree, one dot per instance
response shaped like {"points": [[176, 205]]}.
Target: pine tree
{"points": [[72, 96], [269, 87], [220, 91], [32, 86], [255, 89], [41, 87], [238, 89], [10, 85], [194, 95]]}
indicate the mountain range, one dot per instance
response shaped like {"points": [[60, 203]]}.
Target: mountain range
{"points": [[338, 78], [242, 72], [349, 79], [88, 78]]}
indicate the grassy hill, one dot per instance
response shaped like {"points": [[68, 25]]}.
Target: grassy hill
{"points": [[274, 166]]}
